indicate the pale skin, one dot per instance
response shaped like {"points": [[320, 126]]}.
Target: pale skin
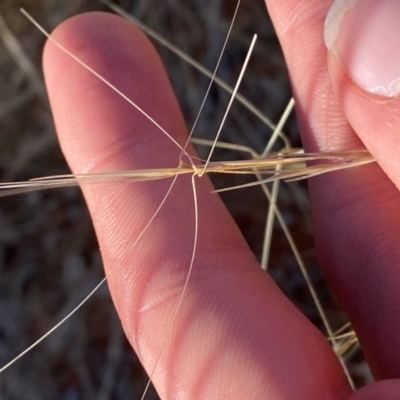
{"points": [[236, 335]]}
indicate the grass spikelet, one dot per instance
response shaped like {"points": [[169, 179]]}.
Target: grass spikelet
{"points": [[289, 166]]}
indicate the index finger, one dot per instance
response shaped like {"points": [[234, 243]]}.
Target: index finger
{"points": [[235, 331]]}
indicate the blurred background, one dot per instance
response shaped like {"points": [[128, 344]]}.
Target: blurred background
{"points": [[49, 259]]}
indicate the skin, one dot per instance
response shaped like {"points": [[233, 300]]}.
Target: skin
{"points": [[235, 335]]}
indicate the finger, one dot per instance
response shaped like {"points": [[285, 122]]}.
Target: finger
{"points": [[355, 213], [235, 331]]}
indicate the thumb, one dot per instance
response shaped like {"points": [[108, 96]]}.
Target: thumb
{"points": [[356, 216], [363, 38]]}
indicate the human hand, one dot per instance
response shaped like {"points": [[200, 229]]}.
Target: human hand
{"points": [[233, 317]]}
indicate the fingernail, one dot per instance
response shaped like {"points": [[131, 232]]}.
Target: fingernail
{"points": [[364, 36]]}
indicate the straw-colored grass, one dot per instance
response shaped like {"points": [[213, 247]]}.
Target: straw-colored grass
{"points": [[276, 166]]}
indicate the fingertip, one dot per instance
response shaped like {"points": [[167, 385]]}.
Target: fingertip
{"points": [[93, 120], [373, 117], [363, 35]]}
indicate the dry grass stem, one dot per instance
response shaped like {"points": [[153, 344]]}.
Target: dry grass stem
{"points": [[291, 167]]}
